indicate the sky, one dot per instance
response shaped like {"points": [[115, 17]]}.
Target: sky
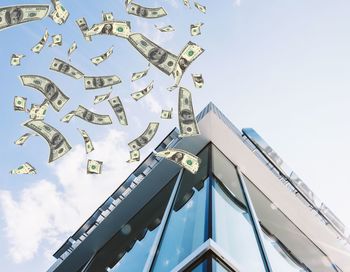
{"points": [[280, 67]]}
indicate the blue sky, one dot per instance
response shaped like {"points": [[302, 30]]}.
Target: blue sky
{"points": [[280, 67]]}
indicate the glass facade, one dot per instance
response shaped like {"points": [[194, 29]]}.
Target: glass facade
{"points": [[209, 226]]}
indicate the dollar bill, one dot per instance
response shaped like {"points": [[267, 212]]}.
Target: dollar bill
{"points": [[94, 167], [137, 75], [68, 117], [183, 158], [127, 3], [166, 114], [186, 3], [196, 29], [198, 80], [139, 94], [118, 109], [167, 28], [97, 60], [145, 137], [91, 117], [71, 49], [15, 15], [19, 103], [187, 120], [172, 88], [65, 68], [102, 97], [134, 156], [145, 12], [156, 55], [16, 59], [96, 82], [56, 40], [116, 28], [200, 7], [21, 140], [38, 112], [49, 89], [57, 143], [190, 52], [107, 16], [59, 15], [83, 26], [88, 143], [25, 168], [40, 45]]}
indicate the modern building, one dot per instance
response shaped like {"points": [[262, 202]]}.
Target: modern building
{"points": [[244, 210]]}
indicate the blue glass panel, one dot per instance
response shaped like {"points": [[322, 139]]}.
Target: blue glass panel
{"points": [[218, 267], [202, 267], [136, 259], [186, 229], [233, 230]]}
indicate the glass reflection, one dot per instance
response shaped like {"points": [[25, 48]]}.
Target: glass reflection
{"points": [[218, 267], [140, 252], [279, 258], [233, 231], [187, 226], [186, 230]]}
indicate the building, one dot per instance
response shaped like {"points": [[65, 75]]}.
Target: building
{"points": [[244, 210]]}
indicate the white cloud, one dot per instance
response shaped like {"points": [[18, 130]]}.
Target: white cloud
{"points": [[45, 212], [237, 3], [153, 104]]}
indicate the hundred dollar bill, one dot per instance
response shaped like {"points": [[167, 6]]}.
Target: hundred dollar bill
{"points": [[167, 28], [16, 59], [183, 158], [107, 16], [97, 60], [118, 109], [145, 137], [201, 8], [96, 82], [52, 93], [198, 80], [186, 3], [145, 12], [25, 168], [71, 49], [59, 15], [40, 45], [94, 167], [21, 140], [65, 68], [88, 143], [57, 143], [116, 28], [172, 88], [190, 52], [102, 97], [56, 40], [91, 117], [15, 15], [196, 29], [38, 112], [137, 75], [68, 117], [134, 156], [19, 103], [166, 114], [159, 57], [127, 3], [139, 94], [83, 26], [187, 120]]}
